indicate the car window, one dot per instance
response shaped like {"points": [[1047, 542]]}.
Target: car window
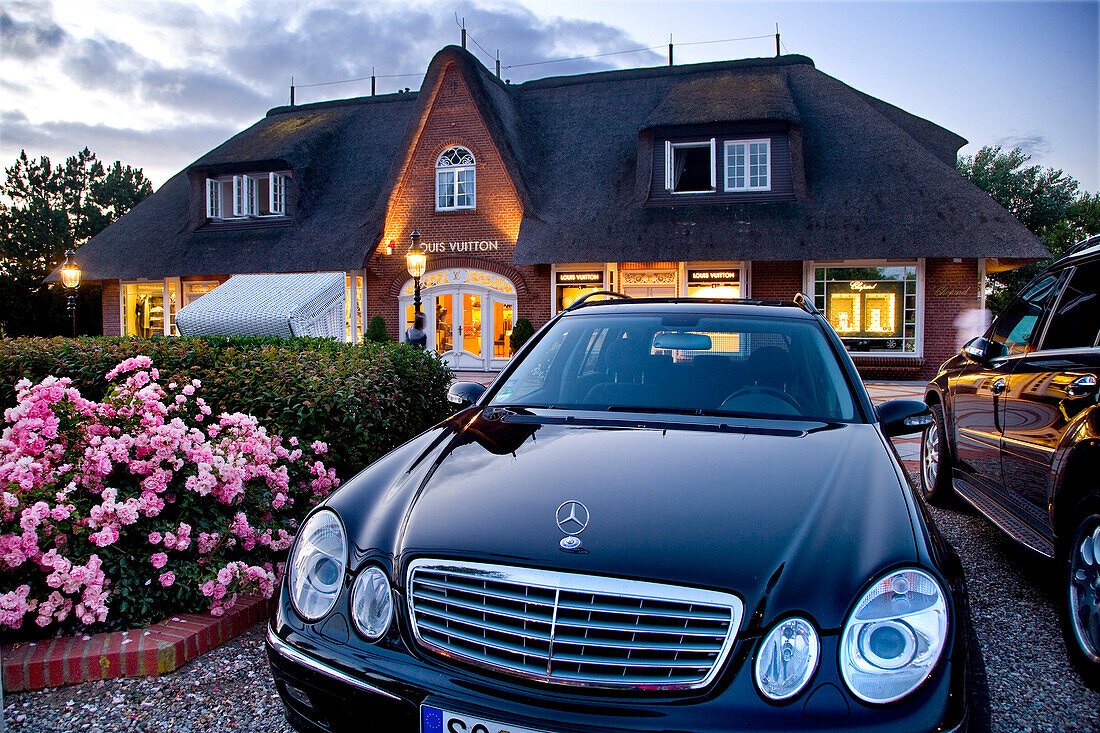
{"points": [[1076, 322], [1014, 327], [750, 365]]}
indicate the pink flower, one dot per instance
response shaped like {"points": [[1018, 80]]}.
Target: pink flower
{"points": [[159, 560], [166, 579], [154, 538]]}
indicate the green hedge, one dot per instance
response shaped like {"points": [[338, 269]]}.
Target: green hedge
{"points": [[361, 400]]}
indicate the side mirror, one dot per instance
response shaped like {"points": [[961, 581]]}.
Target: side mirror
{"points": [[978, 350], [903, 417], [465, 394]]}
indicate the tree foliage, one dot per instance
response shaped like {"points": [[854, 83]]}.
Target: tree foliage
{"points": [[46, 209], [1044, 200]]}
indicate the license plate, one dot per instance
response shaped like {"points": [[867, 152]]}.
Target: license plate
{"points": [[438, 720]]}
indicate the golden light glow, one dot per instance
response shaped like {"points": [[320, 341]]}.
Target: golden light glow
{"points": [[70, 273], [844, 312], [880, 313], [416, 261]]}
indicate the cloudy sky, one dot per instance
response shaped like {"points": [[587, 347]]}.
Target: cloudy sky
{"points": [[156, 83]]}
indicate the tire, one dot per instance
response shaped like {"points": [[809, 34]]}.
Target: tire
{"points": [[935, 462], [1081, 597]]}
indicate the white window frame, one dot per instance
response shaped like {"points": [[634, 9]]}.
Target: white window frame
{"points": [[276, 183], [747, 173], [446, 169], [607, 268], [670, 151], [213, 199], [809, 275]]}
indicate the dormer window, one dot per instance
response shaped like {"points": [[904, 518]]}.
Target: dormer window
{"points": [[748, 165], [691, 167], [455, 180], [243, 196]]}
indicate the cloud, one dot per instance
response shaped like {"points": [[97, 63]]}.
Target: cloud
{"points": [[1032, 143], [216, 70], [37, 35], [160, 151]]}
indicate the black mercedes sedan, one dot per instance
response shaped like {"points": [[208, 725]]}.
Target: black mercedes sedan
{"points": [[663, 515]]}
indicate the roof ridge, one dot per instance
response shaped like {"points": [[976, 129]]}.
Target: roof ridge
{"points": [[645, 72], [345, 102]]}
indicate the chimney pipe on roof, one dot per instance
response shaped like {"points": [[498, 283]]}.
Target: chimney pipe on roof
{"points": [[498, 63], [463, 26], [670, 49], [292, 91], [372, 80], [777, 39]]}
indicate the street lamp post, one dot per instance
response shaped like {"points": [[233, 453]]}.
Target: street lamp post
{"points": [[415, 262], [70, 279]]}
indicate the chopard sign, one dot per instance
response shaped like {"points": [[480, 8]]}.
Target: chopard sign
{"points": [[860, 286]]}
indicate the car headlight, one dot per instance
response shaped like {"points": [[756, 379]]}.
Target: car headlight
{"points": [[894, 637], [372, 603], [317, 565], [787, 659]]}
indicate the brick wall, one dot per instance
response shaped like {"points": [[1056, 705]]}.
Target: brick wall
{"points": [[453, 119], [950, 289], [112, 317], [776, 280]]}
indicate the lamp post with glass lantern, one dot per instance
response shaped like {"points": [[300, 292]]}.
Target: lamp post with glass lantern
{"points": [[415, 262], [70, 279]]}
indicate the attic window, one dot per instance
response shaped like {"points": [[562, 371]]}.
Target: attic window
{"points": [[251, 195], [455, 180], [748, 165], [690, 167]]}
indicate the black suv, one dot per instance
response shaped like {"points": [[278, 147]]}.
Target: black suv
{"points": [[662, 515], [1017, 433]]}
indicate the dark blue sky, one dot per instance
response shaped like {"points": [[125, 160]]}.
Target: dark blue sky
{"points": [[157, 84]]}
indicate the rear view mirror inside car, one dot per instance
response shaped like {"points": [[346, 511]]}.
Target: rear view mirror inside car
{"points": [[682, 341]]}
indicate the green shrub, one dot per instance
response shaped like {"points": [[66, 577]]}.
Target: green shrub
{"points": [[360, 400], [522, 331], [376, 331]]}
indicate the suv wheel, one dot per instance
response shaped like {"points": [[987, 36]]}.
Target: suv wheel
{"points": [[1082, 598], [935, 461]]}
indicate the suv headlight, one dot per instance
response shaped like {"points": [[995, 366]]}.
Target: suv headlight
{"points": [[786, 659], [317, 565], [894, 637]]}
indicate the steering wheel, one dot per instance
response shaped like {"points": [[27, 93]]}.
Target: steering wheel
{"points": [[765, 390]]}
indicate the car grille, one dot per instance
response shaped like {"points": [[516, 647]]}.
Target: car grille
{"points": [[572, 629]]}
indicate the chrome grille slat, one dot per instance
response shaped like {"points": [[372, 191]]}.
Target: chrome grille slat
{"points": [[569, 628], [482, 608]]}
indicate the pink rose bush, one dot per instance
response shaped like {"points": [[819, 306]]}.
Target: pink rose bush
{"points": [[114, 513]]}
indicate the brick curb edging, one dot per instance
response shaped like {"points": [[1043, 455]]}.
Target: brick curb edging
{"points": [[161, 648]]}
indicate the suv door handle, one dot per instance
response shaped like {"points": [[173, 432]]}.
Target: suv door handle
{"points": [[997, 387], [1082, 386]]}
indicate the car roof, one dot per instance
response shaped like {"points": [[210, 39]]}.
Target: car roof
{"points": [[695, 306], [1085, 250]]}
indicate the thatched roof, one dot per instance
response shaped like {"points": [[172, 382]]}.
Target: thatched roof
{"points": [[878, 181]]}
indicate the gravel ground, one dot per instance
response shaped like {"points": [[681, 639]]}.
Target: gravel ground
{"points": [[1014, 597]]}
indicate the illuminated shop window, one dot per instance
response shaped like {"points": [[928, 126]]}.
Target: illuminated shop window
{"points": [[571, 286], [873, 309], [714, 283]]}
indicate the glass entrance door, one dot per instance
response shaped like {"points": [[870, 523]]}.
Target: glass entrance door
{"points": [[468, 318]]}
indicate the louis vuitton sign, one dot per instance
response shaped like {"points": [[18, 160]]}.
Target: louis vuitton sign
{"points": [[471, 245]]}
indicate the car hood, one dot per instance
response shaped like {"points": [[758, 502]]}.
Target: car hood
{"points": [[789, 516]]}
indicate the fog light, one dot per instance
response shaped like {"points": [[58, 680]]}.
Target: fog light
{"points": [[298, 696], [787, 659], [372, 603]]}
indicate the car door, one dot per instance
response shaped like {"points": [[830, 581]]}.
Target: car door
{"points": [[978, 387], [1047, 390]]}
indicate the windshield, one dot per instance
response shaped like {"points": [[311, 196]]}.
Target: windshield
{"points": [[741, 365]]}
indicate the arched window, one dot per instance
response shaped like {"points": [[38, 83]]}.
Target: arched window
{"points": [[455, 174]]}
